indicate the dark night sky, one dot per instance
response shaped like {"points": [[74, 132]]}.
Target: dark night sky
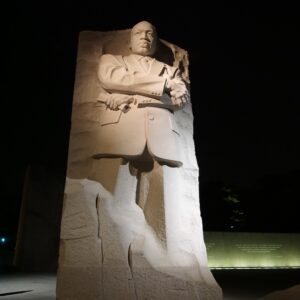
{"points": [[244, 65]]}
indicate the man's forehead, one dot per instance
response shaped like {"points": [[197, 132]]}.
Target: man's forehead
{"points": [[144, 25]]}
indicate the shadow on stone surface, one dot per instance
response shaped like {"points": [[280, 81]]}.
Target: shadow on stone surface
{"points": [[255, 284]]}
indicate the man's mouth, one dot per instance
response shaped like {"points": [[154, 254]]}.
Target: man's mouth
{"points": [[144, 44]]}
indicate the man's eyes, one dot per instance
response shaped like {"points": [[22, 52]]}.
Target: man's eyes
{"points": [[150, 33]]}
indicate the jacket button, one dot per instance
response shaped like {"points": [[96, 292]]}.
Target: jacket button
{"points": [[150, 117]]}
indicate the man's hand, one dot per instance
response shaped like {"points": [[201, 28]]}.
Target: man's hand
{"points": [[114, 101], [178, 91]]}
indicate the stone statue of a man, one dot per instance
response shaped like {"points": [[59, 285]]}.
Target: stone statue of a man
{"points": [[131, 225], [141, 95]]}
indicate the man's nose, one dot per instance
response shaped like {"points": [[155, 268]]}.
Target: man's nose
{"points": [[144, 35]]}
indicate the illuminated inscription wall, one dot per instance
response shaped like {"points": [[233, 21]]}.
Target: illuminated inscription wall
{"points": [[252, 250]]}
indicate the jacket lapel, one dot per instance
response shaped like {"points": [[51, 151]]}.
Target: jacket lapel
{"points": [[156, 68]]}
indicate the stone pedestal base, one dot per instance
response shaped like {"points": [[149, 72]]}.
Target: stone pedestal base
{"points": [[153, 284], [96, 264], [138, 281]]}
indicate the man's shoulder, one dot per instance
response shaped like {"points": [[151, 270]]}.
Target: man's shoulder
{"points": [[111, 58]]}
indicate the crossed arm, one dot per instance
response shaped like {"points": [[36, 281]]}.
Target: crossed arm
{"points": [[116, 79]]}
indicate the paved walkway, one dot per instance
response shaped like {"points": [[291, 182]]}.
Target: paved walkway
{"points": [[236, 284], [27, 286]]}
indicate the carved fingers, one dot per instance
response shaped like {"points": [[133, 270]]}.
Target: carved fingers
{"points": [[178, 91], [116, 100], [180, 101]]}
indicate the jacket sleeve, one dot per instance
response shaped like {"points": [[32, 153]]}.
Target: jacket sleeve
{"points": [[115, 77]]}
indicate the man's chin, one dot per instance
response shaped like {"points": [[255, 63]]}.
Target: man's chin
{"points": [[144, 52]]}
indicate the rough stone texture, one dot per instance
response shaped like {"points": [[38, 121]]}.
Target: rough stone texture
{"points": [[116, 244], [80, 259], [159, 284], [110, 252]]}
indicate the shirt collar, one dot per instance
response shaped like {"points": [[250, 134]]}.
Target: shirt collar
{"points": [[139, 57]]}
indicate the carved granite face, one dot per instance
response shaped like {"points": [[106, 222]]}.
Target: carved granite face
{"points": [[143, 39]]}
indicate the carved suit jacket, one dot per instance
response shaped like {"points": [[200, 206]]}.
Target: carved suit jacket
{"points": [[148, 121]]}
